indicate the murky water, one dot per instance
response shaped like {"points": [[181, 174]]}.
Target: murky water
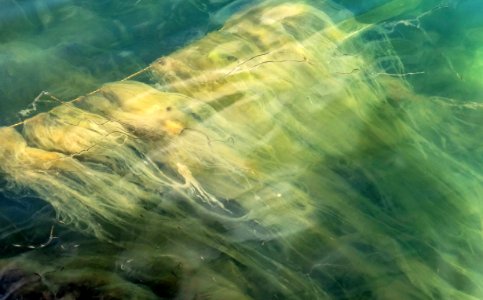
{"points": [[241, 150]]}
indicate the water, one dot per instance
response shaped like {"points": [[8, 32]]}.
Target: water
{"points": [[269, 150], [69, 48]]}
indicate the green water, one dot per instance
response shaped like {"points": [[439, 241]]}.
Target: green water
{"points": [[347, 174], [69, 48]]}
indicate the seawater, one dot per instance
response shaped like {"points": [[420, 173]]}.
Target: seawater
{"points": [[271, 150], [68, 48]]}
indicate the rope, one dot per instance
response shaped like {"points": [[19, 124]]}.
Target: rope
{"points": [[90, 93]]}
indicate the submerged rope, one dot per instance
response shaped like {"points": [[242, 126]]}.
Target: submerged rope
{"points": [[131, 76]]}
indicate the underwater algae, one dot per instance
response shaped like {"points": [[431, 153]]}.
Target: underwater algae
{"points": [[284, 156], [71, 47]]}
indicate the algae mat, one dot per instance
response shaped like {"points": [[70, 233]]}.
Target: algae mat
{"points": [[304, 150]]}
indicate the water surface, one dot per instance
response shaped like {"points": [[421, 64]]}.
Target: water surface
{"points": [[269, 150]]}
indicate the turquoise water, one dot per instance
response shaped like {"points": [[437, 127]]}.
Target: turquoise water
{"points": [[269, 150], [69, 48]]}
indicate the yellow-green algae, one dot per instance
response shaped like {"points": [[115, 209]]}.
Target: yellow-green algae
{"points": [[284, 156]]}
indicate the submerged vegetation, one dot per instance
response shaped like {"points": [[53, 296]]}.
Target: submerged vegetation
{"points": [[295, 153]]}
